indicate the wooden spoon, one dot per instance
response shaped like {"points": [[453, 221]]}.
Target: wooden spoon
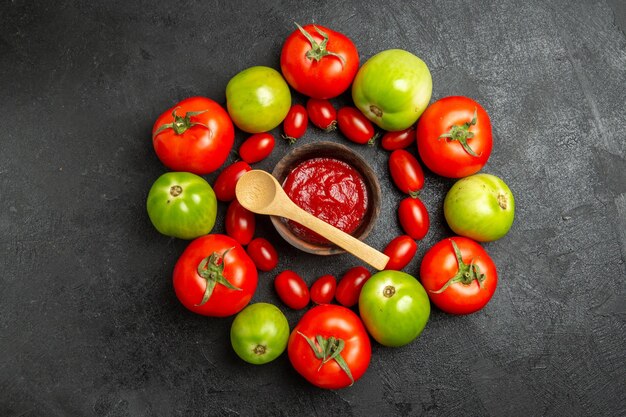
{"points": [[259, 192]]}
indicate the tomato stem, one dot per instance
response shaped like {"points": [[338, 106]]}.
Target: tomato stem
{"points": [[461, 133], [181, 123], [318, 50], [211, 269], [328, 349], [290, 139], [466, 274], [372, 140]]}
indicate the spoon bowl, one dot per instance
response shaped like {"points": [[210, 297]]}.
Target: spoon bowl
{"points": [[257, 191]]}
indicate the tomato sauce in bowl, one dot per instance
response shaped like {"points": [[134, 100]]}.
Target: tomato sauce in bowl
{"points": [[331, 190]]}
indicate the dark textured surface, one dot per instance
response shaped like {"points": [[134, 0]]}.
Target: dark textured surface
{"points": [[89, 324]]}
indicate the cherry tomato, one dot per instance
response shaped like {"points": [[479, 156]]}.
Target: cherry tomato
{"points": [[355, 126], [263, 254], [350, 285], [330, 347], [195, 136], [295, 123], [319, 62], [225, 183], [398, 140], [292, 290], [454, 137], [240, 223], [406, 172], [322, 114], [400, 252], [257, 147], [458, 275], [414, 217], [323, 289], [214, 276]]}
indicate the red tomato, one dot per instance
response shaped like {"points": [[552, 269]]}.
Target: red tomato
{"points": [[319, 62], [349, 287], [214, 276], [458, 275], [225, 183], [292, 290], [257, 147], [240, 223], [355, 126], [454, 137], [414, 217], [400, 252], [323, 289], [406, 172], [295, 123], [195, 135], [398, 140], [322, 114], [330, 347], [263, 254]]}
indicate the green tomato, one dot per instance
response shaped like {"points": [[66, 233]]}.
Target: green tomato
{"points": [[480, 207], [259, 333], [182, 205], [258, 99], [394, 307], [392, 89]]}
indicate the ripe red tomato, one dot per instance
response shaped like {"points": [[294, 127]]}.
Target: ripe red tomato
{"points": [[295, 123], [355, 126], [454, 137], [214, 276], [240, 223], [400, 252], [323, 289], [263, 254], [322, 114], [349, 287], [319, 62], [330, 347], [414, 217], [257, 147], [225, 183], [195, 135], [406, 172], [292, 290], [398, 140], [458, 275]]}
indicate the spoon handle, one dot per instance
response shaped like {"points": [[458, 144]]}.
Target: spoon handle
{"points": [[351, 244]]}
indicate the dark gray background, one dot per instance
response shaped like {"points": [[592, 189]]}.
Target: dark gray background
{"points": [[89, 323]]}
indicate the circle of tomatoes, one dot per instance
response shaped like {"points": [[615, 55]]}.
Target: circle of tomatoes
{"points": [[459, 275], [292, 290], [257, 147], [263, 254], [414, 218], [323, 289], [355, 126], [349, 287]]}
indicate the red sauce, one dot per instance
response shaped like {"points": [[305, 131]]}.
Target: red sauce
{"points": [[329, 189]]}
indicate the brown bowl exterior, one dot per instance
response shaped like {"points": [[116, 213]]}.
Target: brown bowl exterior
{"points": [[342, 153]]}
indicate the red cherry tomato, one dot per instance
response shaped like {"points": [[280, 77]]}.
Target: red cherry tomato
{"points": [[355, 126], [323, 289], [319, 62], [414, 217], [295, 123], [225, 183], [349, 287], [263, 254], [400, 252], [398, 140], [257, 147], [406, 172], [292, 290], [240, 223], [195, 135], [322, 114], [459, 279], [454, 137]]}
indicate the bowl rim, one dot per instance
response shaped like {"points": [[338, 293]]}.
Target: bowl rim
{"points": [[342, 153]]}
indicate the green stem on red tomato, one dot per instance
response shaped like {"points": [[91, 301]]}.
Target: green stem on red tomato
{"points": [[318, 50], [181, 123], [211, 269], [328, 349], [462, 134], [466, 274]]}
